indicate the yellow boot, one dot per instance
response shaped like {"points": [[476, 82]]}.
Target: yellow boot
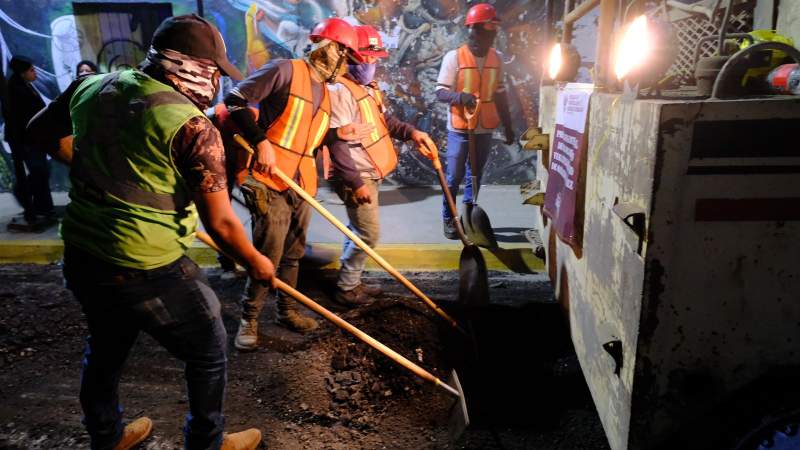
{"points": [[134, 433], [243, 440]]}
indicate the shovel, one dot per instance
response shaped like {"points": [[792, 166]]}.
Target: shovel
{"points": [[459, 417], [357, 240], [474, 219], [473, 278]]}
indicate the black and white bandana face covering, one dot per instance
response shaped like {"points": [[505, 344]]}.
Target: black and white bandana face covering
{"points": [[193, 77]]}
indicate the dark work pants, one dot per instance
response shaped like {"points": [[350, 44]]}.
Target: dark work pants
{"points": [[458, 166], [21, 191], [279, 233], [173, 304]]}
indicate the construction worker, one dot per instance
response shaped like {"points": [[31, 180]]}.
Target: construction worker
{"points": [[294, 109], [472, 76], [146, 161], [359, 166]]}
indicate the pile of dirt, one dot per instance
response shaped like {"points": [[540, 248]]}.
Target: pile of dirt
{"points": [[363, 383]]}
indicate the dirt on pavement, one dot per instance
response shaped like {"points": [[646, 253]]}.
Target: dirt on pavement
{"points": [[324, 390]]}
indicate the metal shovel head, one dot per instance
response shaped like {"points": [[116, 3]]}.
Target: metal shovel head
{"points": [[459, 417], [473, 278], [478, 227]]}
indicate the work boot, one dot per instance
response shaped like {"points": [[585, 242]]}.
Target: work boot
{"points": [[247, 336], [450, 229], [372, 291], [134, 433], [295, 321], [353, 297], [243, 440]]}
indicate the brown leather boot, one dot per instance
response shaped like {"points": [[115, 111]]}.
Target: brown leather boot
{"points": [[372, 291], [288, 317], [243, 440], [353, 297], [134, 433]]}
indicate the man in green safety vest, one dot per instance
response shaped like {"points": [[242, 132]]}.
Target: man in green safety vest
{"points": [[146, 163]]}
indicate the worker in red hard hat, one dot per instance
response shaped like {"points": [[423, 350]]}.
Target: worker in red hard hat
{"points": [[472, 77], [294, 114], [360, 165]]}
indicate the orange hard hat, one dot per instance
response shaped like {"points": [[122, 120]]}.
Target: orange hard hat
{"points": [[370, 42], [337, 30], [481, 13]]}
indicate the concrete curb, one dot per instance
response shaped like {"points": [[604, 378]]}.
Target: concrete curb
{"points": [[514, 257]]}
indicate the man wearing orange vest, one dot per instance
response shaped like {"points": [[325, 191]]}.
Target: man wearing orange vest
{"points": [[294, 114], [472, 76], [359, 166]]}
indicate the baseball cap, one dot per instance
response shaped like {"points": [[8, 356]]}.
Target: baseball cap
{"points": [[194, 36]]}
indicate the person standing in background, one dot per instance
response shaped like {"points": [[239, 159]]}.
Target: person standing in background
{"points": [[472, 77], [22, 102]]}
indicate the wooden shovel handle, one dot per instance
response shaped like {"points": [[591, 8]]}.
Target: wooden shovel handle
{"points": [[357, 240], [451, 203], [343, 324]]}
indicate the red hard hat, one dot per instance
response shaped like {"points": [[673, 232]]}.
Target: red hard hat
{"points": [[370, 42], [337, 30], [481, 13]]}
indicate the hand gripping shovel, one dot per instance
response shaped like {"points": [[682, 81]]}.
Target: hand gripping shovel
{"points": [[473, 278], [474, 219], [357, 240], [459, 418]]}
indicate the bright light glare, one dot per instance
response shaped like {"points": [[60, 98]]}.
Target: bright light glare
{"points": [[556, 60], [634, 48]]}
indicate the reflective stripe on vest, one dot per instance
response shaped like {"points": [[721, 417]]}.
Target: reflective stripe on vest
{"points": [[471, 79], [378, 145], [295, 134]]}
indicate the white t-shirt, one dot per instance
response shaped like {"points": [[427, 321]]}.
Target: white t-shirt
{"points": [[447, 80], [344, 111]]}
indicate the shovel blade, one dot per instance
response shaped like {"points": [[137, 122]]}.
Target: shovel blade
{"points": [[466, 220], [481, 228], [473, 277], [459, 417]]}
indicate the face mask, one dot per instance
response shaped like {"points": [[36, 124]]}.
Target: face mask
{"points": [[480, 40], [362, 73], [328, 61]]}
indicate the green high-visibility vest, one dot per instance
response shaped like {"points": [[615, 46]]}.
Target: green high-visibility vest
{"points": [[129, 204]]}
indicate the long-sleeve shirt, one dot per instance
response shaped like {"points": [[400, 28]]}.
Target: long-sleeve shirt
{"points": [[23, 103], [445, 93], [196, 149], [268, 87], [351, 164]]}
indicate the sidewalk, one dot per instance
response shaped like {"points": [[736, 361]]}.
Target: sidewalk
{"points": [[411, 232]]}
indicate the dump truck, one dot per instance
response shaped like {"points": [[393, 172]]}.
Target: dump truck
{"points": [[670, 225]]}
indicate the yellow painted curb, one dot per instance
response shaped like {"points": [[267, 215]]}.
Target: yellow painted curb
{"points": [[428, 257]]}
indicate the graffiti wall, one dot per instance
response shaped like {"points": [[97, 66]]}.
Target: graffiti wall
{"points": [[56, 34]]}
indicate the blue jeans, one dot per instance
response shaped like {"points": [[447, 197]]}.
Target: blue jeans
{"points": [[458, 164], [173, 304]]}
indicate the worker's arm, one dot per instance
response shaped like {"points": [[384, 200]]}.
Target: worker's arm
{"points": [[51, 128], [227, 231], [199, 156]]}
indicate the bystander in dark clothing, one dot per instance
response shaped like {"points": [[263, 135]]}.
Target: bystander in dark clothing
{"points": [[22, 102]]}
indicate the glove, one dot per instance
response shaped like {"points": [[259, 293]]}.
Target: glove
{"points": [[468, 100], [255, 196]]}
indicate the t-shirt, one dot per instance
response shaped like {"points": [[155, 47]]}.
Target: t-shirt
{"points": [[344, 111], [447, 80]]}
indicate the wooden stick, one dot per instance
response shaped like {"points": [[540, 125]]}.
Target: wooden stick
{"points": [[343, 324], [357, 240]]}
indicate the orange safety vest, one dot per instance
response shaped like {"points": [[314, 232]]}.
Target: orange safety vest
{"points": [[470, 78], [378, 144], [296, 134]]}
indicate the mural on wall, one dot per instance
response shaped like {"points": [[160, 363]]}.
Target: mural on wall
{"points": [[57, 34]]}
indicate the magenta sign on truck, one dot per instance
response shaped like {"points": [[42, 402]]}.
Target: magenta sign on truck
{"points": [[563, 199]]}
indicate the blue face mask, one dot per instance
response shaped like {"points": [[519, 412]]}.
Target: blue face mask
{"points": [[362, 73]]}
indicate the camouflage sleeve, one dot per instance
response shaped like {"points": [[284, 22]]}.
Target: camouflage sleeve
{"points": [[199, 156]]}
